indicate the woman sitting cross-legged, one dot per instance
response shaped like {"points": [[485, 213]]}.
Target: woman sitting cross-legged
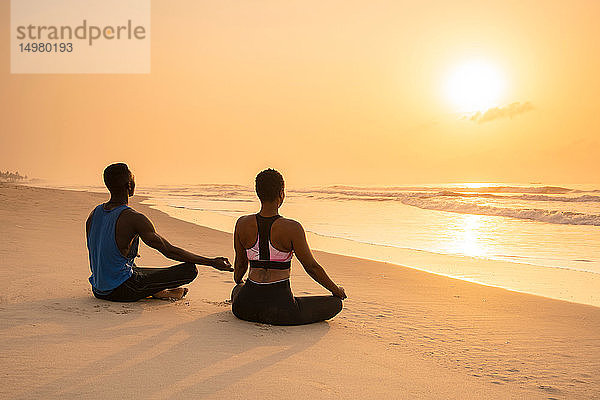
{"points": [[267, 241]]}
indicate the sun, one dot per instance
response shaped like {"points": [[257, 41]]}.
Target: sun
{"points": [[475, 85]]}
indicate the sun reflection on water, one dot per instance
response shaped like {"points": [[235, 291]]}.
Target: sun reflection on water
{"points": [[468, 238]]}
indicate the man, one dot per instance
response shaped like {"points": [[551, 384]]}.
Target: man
{"points": [[113, 231]]}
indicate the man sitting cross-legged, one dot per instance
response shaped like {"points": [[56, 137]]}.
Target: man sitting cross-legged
{"points": [[113, 231]]}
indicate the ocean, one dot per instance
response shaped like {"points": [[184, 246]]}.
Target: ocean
{"points": [[551, 226]]}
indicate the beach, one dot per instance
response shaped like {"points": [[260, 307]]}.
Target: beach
{"points": [[403, 333]]}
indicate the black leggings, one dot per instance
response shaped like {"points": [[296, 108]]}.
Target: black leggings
{"points": [[274, 304], [146, 281]]}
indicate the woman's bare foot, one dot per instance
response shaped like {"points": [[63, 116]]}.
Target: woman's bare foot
{"points": [[171, 294]]}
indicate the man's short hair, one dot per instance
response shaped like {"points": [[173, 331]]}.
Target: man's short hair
{"points": [[269, 184], [116, 176]]}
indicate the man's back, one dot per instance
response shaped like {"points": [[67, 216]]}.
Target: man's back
{"points": [[125, 229], [109, 265]]}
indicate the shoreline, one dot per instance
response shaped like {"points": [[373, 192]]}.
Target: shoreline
{"points": [[425, 335]]}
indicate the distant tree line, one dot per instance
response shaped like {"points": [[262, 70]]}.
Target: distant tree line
{"points": [[11, 176]]}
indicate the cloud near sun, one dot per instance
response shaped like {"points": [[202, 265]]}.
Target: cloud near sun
{"points": [[508, 111]]}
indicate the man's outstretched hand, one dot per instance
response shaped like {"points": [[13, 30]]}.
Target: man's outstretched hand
{"points": [[222, 264]]}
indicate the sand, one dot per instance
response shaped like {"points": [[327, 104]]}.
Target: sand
{"points": [[403, 333]]}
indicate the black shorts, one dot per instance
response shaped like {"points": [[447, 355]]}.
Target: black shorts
{"points": [[146, 281], [275, 304]]}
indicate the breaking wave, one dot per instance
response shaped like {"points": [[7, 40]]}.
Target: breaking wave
{"points": [[464, 200], [528, 197], [534, 214]]}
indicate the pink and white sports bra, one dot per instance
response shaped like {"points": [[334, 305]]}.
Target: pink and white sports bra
{"points": [[263, 254]]}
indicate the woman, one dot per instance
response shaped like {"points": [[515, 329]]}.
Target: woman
{"points": [[267, 242]]}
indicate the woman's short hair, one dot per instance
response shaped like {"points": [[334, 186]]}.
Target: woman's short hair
{"points": [[269, 184]]}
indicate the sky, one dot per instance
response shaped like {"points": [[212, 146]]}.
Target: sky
{"points": [[327, 92]]}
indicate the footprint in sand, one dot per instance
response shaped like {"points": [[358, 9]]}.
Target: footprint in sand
{"points": [[116, 310], [548, 389], [263, 327], [224, 303]]}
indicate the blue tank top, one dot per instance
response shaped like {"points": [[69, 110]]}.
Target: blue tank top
{"points": [[109, 268]]}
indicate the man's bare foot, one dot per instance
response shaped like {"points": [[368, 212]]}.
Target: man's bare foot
{"points": [[171, 294]]}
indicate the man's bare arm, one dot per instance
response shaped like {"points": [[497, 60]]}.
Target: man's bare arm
{"points": [[144, 227], [241, 258], [312, 267], [88, 223]]}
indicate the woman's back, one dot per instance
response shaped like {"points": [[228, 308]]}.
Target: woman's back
{"points": [[281, 237], [275, 238]]}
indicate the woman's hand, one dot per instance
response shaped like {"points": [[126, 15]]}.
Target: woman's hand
{"points": [[339, 292]]}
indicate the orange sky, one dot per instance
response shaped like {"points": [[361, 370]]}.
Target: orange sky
{"points": [[327, 92]]}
